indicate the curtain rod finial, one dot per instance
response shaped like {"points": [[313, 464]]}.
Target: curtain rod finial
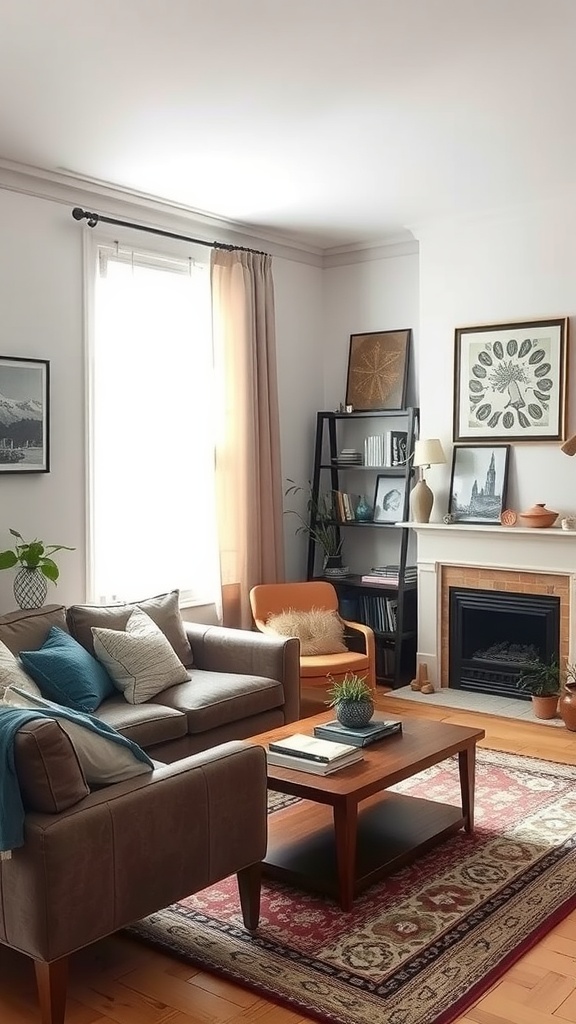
{"points": [[79, 214]]}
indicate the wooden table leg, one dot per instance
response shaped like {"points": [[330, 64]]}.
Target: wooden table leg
{"points": [[345, 822], [467, 765]]}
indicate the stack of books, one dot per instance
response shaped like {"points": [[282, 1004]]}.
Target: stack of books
{"points": [[390, 574], [377, 729], [349, 457], [310, 754]]}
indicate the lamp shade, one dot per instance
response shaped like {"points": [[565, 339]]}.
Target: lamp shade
{"points": [[429, 452]]}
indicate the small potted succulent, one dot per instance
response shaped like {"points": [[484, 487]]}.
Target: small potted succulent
{"points": [[37, 567], [542, 681], [352, 698]]}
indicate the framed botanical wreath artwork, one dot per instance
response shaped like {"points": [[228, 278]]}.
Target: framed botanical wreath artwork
{"points": [[378, 370], [510, 381]]}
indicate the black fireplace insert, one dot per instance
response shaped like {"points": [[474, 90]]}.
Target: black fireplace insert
{"points": [[493, 634]]}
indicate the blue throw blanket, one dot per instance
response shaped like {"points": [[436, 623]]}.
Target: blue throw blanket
{"points": [[11, 720]]}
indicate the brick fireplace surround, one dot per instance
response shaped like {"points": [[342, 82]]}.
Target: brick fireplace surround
{"points": [[506, 559]]}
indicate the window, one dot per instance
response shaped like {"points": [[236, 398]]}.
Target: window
{"points": [[152, 514]]}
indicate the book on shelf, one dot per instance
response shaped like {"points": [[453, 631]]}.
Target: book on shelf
{"points": [[306, 764], [301, 745], [398, 447], [377, 729]]}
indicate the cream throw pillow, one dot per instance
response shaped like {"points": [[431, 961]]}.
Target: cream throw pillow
{"points": [[103, 761], [12, 673], [319, 631], [140, 660]]}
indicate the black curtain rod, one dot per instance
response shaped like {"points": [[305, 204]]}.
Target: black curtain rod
{"points": [[95, 218]]}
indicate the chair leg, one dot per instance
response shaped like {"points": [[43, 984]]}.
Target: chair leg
{"points": [[249, 884], [51, 982]]}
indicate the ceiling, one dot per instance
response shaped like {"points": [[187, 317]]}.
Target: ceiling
{"points": [[325, 122]]}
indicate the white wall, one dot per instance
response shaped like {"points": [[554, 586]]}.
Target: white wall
{"points": [[41, 287], [299, 332], [510, 267], [41, 303]]}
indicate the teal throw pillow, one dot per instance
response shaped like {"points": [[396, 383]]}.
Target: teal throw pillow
{"points": [[67, 674]]}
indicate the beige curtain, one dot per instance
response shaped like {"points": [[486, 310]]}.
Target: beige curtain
{"points": [[248, 474]]}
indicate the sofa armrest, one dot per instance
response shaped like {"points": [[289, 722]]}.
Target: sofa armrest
{"points": [[133, 848], [219, 649]]}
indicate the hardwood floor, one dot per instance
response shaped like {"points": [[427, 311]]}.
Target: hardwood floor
{"points": [[120, 981]]}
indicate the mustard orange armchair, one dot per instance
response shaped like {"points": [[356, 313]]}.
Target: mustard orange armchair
{"points": [[272, 598]]}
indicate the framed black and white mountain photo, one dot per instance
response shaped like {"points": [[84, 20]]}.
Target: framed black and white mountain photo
{"points": [[24, 415]]}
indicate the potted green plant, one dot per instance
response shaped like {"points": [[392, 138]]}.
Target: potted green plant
{"points": [[542, 681], [37, 567], [319, 524], [352, 698]]}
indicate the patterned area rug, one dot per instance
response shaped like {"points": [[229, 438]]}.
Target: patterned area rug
{"points": [[421, 946]]}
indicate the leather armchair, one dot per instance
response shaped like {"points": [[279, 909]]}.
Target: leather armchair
{"points": [[129, 849]]}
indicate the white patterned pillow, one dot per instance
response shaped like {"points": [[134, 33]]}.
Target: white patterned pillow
{"points": [[140, 660], [12, 673]]}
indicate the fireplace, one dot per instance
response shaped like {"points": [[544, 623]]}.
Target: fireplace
{"points": [[493, 634], [498, 559]]}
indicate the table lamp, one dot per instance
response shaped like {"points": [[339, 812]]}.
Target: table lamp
{"points": [[428, 452]]}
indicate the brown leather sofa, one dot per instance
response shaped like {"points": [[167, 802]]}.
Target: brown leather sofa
{"points": [[94, 862], [241, 682]]}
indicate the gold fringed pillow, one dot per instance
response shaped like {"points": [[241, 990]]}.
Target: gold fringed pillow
{"points": [[319, 631]]}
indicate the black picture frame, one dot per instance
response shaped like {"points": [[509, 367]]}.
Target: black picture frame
{"points": [[389, 498], [377, 376], [478, 483], [24, 415], [510, 382]]}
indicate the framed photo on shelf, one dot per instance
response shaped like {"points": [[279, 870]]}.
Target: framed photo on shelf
{"points": [[510, 381], [24, 415], [478, 483], [378, 370], [389, 499]]}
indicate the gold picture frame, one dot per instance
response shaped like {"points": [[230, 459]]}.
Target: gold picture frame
{"points": [[378, 370]]}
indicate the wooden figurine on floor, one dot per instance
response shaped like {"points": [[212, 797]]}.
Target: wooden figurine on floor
{"points": [[421, 682]]}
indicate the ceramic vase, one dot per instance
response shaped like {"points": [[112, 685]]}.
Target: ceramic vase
{"points": [[30, 588], [364, 513], [567, 706], [355, 713]]}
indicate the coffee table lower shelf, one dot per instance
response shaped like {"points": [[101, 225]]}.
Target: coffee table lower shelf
{"points": [[392, 831]]}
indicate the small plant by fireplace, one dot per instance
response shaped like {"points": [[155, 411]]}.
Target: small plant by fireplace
{"points": [[542, 682]]}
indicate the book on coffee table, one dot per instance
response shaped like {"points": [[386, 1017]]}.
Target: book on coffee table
{"points": [[312, 748], [375, 730], [306, 764]]}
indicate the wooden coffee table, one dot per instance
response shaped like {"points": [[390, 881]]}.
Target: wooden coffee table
{"points": [[347, 832]]}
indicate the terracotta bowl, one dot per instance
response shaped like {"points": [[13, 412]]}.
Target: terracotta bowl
{"points": [[538, 515]]}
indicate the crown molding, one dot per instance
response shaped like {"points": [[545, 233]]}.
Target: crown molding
{"points": [[124, 204], [71, 189], [343, 256]]}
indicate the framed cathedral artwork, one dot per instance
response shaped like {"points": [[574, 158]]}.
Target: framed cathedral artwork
{"points": [[478, 483], [378, 370], [510, 382]]}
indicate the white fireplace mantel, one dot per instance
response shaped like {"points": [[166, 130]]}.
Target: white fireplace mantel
{"points": [[518, 549]]}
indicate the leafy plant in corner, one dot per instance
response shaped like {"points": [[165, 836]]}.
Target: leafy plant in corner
{"points": [[319, 525], [33, 554], [540, 679]]}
